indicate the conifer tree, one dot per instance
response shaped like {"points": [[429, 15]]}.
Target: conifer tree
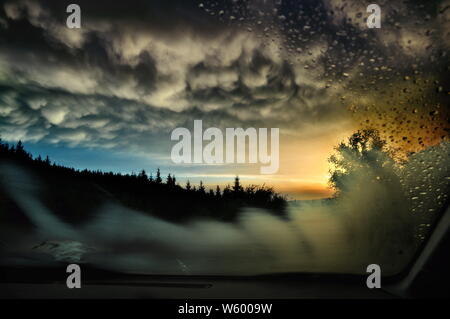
{"points": [[158, 177]]}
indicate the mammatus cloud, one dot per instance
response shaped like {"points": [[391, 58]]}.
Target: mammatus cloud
{"points": [[110, 81]]}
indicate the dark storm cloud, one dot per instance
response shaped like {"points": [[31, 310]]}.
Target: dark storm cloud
{"points": [[136, 70]]}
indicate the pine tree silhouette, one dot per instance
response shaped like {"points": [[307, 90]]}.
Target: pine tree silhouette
{"points": [[158, 179], [226, 191], [201, 188], [138, 191], [19, 148], [218, 194], [237, 186], [143, 176]]}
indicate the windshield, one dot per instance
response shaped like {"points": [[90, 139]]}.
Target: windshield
{"points": [[222, 137]]}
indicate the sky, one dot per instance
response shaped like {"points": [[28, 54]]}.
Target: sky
{"points": [[108, 95]]}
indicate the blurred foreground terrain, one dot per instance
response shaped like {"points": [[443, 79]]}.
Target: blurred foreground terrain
{"points": [[381, 215]]}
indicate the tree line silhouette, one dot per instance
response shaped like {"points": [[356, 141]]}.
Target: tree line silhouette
{"points": [[158, 196]]}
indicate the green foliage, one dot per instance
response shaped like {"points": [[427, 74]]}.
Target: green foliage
{"points": [[364, 154]]}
